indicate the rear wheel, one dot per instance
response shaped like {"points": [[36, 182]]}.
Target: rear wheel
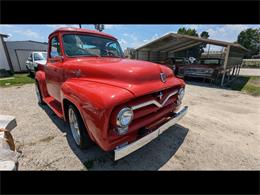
{"points": [[78, 129], [31, 74], [38, 93]]}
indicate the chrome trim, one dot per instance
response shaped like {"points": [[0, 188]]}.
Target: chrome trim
{"points": [[125, 150], [154, 102], [163, 77], [181, 94]]}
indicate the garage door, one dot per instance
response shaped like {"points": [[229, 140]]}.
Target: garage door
{"points": [[22, 56]]}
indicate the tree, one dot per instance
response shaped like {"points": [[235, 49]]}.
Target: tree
{"points": [[189, 31], [250, 39], [195, 51], [204, 35]]}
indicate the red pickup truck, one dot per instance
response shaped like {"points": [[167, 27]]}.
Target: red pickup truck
{"points": [[117, 103]]}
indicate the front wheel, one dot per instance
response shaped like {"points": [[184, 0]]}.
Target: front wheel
{"points": [[78, 129]]}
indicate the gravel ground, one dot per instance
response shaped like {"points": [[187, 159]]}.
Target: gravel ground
{"points": [[220, 132]]}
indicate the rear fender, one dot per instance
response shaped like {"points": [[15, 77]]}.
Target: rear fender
{"points": [[40, 78]]}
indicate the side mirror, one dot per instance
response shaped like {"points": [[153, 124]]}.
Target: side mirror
{"points": [[30, 59], [55, 57]]}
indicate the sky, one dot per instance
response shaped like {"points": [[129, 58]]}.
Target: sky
{"points": [[128, 35]]}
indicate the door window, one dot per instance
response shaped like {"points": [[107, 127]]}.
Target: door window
{"points": [[55, 47]]}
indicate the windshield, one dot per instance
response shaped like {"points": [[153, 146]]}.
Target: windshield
{"points": [[40, 56], [87, 45]]}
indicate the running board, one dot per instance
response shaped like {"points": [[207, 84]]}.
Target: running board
{"points": [[54, 105]]}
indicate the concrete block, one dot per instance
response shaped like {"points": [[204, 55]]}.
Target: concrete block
{"points": [[7, 122], [7, 166]]}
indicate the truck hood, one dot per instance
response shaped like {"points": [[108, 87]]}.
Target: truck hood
{"points": [[138, 77]]}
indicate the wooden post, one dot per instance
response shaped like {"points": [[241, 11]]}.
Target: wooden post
{"points": [[225, 64], [149, 56], [236, 71], [208, 51]]}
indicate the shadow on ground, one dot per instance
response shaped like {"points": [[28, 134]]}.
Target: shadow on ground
{"points": [[202, 82], [237, 84], [151, 157]]}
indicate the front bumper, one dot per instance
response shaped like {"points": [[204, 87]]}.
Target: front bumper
{"points": [[125, 150]]}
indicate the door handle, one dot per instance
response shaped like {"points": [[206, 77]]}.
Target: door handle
{"points": [[76, 73]]}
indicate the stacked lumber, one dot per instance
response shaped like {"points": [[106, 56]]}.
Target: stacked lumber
{"points": [[8, 154]]}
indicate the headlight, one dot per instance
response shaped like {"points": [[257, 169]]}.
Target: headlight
{"points": [[124, 117], [209, 71], [181, 93]]}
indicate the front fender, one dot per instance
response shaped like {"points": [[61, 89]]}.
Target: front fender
{"points": [[95, 102]]}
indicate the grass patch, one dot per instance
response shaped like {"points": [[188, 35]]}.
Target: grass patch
{"points": [[247, 84], [16, 80]]}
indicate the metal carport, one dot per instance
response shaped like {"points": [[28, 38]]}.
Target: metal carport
{"points": [[170, 43]]}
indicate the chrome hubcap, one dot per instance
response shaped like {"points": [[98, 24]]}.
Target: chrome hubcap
{"points": [[37, 93], [74, 127]]}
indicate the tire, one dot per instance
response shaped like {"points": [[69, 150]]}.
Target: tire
{"points": [[32, 74], [77, 128], [39, 94]]}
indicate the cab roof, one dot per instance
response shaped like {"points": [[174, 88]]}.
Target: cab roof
{"points": [[81, 30]]}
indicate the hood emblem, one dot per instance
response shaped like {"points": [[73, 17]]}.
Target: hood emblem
{"points": [[163, 77], [160, 96]]}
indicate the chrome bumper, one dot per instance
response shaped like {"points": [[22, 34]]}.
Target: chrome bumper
{"points": [[125, 150]]}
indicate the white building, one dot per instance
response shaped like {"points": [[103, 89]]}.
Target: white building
{"points": [[13, 54], [5, 64]]}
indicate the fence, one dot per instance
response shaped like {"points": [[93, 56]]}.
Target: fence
{"points": [[251, 63]]}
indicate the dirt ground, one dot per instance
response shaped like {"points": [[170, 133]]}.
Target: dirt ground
{"points": [[220, 132], [249, 72]]}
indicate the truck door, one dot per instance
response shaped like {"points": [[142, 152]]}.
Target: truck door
{"points": [[53, 69], [29, 63]]}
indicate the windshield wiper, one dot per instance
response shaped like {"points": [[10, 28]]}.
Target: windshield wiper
{"points": [[94, 55], [112, 56]]}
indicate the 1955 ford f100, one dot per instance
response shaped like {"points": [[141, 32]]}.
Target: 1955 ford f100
{"points": [[118, 103]]}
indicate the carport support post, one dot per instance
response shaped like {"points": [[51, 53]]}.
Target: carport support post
{"points": [[225, 65], [149, 55]]}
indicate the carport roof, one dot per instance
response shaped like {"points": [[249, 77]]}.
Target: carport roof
{"points": [[4, 35], [177, 42]]}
